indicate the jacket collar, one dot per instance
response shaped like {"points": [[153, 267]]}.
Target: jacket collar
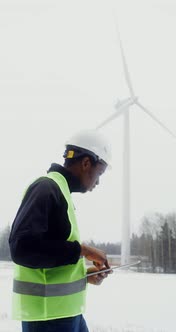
{"points": [[73, 182]]}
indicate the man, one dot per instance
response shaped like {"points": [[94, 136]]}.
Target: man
{"points": [[50, 274]]}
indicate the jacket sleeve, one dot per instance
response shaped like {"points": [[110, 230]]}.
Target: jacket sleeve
{"points": [[33, 242]]}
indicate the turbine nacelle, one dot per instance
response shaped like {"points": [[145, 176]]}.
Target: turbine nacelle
{"points": [[125, 103]]}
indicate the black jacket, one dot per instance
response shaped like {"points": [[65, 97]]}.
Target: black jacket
{"points": [[39, 233]]}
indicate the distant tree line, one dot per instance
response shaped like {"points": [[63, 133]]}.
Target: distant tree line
{"points": [[4, 247], [157, 241]]}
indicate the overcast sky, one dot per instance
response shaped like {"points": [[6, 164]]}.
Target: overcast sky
{"points": [[61, 71]]}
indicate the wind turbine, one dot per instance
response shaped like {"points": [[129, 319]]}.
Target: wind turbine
{"points": [[123, 108]]}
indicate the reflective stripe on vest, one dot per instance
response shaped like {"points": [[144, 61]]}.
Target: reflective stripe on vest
{"points": [[31, 288], [43, 294]]}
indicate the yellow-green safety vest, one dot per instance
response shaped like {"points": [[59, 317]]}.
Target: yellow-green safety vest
{"points": [[44, 294]]}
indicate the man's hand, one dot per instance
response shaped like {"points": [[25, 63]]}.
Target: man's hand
{"points": [[98, 257], [96, 279]]}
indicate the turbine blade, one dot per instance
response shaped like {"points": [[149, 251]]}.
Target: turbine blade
{"points": [[125, 67], [126, 72], [155, 119]]}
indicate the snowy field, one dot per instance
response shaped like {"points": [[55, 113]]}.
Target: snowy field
{"points": [[125, 302]]}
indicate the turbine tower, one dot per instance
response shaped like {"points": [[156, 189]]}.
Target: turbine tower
{"points": [[123, 108]]}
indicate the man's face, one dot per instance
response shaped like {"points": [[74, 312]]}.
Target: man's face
{"points": [[91, 174]]}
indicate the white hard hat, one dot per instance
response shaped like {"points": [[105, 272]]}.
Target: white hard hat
{"points": [[94, 142]]}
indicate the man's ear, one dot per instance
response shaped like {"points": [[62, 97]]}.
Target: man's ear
{"points": [[86, 163]]}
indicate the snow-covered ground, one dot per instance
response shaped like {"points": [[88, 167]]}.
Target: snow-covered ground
{"points": [[125, 302]]}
